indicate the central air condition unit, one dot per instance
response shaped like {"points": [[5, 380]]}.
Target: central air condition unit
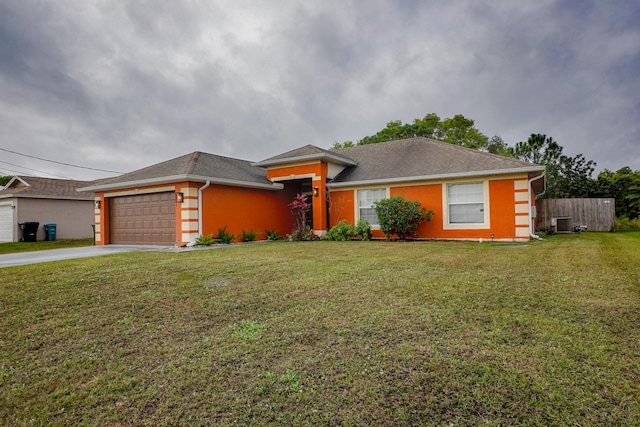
{"points": [[562, 224]]}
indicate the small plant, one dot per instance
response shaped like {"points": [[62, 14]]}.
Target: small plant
{"points": [[362, 230], [341, 232], [207, 240], [247, 330], [224, 236], [273, 235], [300, 235], [249, 235], [280, 385]]}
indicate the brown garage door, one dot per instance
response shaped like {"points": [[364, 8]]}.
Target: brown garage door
{"points": [[145, 219]]}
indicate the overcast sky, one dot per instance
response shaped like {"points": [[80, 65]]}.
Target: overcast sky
{"points": [[121, 85]]}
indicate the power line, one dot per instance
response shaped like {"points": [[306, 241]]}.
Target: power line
{"points": [[60, 163], [25, 167]]}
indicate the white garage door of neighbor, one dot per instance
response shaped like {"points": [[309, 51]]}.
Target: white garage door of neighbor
{"points": [[6, 223]]}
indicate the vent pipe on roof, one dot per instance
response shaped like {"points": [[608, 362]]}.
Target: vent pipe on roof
{"points": [[531, 217], [200, 190]]}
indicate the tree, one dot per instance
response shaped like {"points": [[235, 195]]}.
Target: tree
{"points": [[623, 185], [457, 130], [400, 217], [567, 177], [4, 180], [538, 149], [496, 145]]}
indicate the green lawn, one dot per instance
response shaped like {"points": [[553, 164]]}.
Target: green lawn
{"points": [[9, 248], [328, 333]]}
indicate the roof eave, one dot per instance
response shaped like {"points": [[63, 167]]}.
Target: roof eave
{"points": [[36, 196], [177, 178], [444, 176], [307, 157]]}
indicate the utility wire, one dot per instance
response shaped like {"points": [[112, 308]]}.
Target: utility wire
{"points": [[36, 170], [60, 163]]}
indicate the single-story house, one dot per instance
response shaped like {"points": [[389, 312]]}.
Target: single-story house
{"points": [[474, 195], [45, 201]]}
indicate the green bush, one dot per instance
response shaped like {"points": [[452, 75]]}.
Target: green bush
{"points": [[249, 235], [362, 230], [342, 231], [224, 236], [624, 223], [400, 217], [207, 240]]}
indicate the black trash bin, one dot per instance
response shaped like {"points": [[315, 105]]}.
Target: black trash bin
{"points": [[29, 231], [50, 232]]}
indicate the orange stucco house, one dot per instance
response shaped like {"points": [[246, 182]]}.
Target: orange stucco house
{"points": [[474, 195]]}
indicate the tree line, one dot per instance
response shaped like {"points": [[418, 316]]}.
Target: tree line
{"points": [[567, 176]]}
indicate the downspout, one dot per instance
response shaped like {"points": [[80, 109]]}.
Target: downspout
{"points": [[531, 219], [200, 190]]}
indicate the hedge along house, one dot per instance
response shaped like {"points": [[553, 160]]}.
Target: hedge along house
{"points": [[474, 194], [46, 201]]}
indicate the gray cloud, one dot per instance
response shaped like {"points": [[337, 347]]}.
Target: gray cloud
{"points": [[121, 85]]}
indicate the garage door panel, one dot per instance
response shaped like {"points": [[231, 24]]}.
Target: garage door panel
{"points": [[6, 223], [147, 219]]}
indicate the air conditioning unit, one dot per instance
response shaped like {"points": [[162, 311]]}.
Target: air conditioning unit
{"points": [[562, 224]]}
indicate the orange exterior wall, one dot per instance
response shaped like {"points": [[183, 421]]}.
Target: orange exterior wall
{"points": [[502, 214], [341, 206], [246, 209], [317, 172]]}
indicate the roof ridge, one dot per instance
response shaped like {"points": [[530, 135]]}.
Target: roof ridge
{"points": [[192, 162]]}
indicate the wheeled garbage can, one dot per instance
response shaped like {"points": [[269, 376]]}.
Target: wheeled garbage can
{"points": [[50, 232], [29, 231]]}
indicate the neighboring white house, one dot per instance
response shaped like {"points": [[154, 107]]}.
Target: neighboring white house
{"points": [[46, 201]]}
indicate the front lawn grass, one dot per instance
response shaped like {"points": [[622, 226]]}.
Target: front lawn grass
{"points": [[328, 333], [14, 247]]}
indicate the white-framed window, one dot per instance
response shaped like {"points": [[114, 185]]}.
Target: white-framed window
{"points": [[466, 203], [366, 198]]}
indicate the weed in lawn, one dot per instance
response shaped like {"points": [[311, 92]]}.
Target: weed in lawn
{"points": [[247, 330]]}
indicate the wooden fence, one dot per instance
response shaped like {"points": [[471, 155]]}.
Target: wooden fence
{"points": [[596, 214]]}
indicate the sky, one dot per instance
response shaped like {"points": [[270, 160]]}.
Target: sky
{"points": [[118, 85]]}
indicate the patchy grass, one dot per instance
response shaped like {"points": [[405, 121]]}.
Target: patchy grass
{"points": [[9, 248], [326, 333]]}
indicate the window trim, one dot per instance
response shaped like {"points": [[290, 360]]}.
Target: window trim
{"points": [[447, 225], [356, 198]]}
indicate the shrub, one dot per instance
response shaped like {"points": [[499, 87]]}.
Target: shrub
{"points": [[362, 230], [273, 235], [342, 231], [207, 240], [624, 223], [249, 235], [304, 234], [400, 217], [224, 236]]}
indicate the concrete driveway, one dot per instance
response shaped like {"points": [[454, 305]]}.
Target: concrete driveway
{"points": [[23, 258]]}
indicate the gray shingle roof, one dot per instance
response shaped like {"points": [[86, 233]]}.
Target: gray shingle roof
{"points": [[423, 158], [196, 166], [306, 153], [49, 188]]}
